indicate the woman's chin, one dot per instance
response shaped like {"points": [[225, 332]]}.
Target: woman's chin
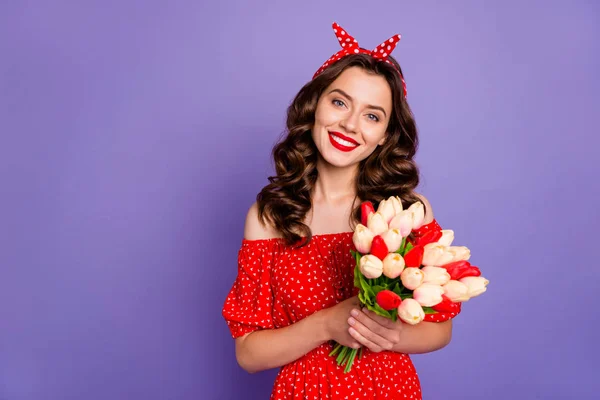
{"points": [[338, 162]]}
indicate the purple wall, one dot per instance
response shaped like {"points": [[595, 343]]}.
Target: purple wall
{"points": [[134, 138]]}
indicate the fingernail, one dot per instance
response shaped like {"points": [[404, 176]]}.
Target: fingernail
{"points": [[354, 313], [351, 321]]}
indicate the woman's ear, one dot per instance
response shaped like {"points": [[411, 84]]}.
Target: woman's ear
{"points": [[382, 141]]}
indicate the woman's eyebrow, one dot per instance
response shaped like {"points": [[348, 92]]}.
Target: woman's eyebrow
{"points": [[340, 91]]}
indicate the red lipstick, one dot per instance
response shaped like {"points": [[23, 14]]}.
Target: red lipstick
{"points": [[340, 146]]}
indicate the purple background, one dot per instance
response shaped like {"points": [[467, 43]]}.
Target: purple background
{"points": [[136, 134]]}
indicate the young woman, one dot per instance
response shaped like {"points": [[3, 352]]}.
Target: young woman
{"points": [[351, 137]]}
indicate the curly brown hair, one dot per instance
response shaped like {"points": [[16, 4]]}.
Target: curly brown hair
{"points": [[388, 171]]}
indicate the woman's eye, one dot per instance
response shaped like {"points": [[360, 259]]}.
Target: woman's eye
{"points": [[338, 103], [373, 117]]}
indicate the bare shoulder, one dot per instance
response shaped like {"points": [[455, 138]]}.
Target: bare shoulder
{"points": [[429, 217], [255, 229]]}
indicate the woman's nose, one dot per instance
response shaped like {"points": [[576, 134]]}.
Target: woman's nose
{"points": [[350, 122]]}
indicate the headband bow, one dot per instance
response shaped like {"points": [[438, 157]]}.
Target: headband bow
{"points": [[350, 46]]}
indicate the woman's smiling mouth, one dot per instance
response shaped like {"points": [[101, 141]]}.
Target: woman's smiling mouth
{"points": [[342, 142]]}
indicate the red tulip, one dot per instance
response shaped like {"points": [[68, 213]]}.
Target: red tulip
{"points": [[460, 269], [429, 237], [388, 300], [414, 257], [379, 248], [432, 226], [366, 208]]}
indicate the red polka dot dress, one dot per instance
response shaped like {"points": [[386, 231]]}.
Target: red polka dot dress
{"points": [[278, 285]]}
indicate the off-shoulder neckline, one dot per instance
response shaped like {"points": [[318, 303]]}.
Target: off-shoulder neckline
{"points": [[279, 239]]}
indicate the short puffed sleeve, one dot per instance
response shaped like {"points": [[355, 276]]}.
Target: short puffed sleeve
{"points": [[249, 304], [443, 316]]}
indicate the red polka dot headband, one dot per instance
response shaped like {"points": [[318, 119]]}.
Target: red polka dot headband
{"points": [[350, 46]]}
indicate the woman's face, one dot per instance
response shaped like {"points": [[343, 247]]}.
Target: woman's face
{"points": [[352, 116]]}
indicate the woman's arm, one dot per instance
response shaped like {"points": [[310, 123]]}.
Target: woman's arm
{"points": [[424, 337], [265, 349], [379, 334], [271, 348]]}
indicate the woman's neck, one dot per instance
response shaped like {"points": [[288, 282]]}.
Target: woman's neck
{"points": [[334, 184]]}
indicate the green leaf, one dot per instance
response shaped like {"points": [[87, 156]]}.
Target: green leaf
{"points": [[361, 297], [429, 310], [401, 248], [360, 275], [367, 285], [366, 289], [357, 276], [357, 257], [394, 314], [383, 281], [408, 248], [365, 298], [357, 273], [378, 288]]}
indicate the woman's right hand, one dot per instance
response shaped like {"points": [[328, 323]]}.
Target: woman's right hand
{"points": [[336, 322]]}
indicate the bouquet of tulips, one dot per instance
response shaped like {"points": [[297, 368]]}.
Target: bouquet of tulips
{"points": [[408, 270]]}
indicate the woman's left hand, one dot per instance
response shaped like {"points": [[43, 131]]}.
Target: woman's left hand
{"points": [[373, 331]]}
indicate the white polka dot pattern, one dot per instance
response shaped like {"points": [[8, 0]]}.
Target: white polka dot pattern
{"points": [[278, 285], [350, 46]]}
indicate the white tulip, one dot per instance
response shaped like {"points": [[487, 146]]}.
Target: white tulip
{"points": [[428, 294], [436, 275], [392, 239], [459, 253], [411, 278], [403, 222], [476, 284], [362, 239], [436, 255], [376, 223], [370, 266], [456, 291], [410, 311], [393, 265], [447, 237], [397, 203], [386, 208], [418, 211]]}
